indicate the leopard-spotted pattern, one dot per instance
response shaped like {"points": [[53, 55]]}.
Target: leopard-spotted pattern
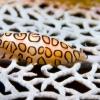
{"points": [[35, 48]]}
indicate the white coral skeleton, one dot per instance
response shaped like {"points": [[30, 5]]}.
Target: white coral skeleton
{"points": [[65, 25]]}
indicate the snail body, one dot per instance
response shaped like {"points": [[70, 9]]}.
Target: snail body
{"points": [[38, 49]]}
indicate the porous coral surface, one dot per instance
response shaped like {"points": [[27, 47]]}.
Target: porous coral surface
{"points": [[78, 27]]}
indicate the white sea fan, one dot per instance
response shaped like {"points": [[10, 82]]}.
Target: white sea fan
{"points": [[78, 27]]}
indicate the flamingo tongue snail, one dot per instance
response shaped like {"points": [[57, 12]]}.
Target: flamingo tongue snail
{"points": [[40, 49]]}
